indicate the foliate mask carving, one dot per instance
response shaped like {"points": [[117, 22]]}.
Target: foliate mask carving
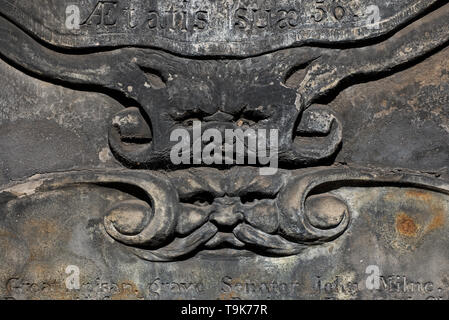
{"points": [[286, 73]]}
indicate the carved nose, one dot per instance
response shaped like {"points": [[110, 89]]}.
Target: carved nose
{"points": [[225, 217]]}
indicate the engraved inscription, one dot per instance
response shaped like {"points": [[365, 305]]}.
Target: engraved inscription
{"points": [[178, 20], [232, 27], [258, 17], [94, 206]]}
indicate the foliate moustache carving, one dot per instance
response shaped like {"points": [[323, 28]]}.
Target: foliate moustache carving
{"points": [[280, 90], [176, 215]]}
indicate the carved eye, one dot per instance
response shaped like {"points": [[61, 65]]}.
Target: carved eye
{"points": [[254, 197], [201, 203], [187, 117], [200, 199], [248, 117]]}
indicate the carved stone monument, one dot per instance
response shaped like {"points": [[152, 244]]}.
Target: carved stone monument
{"points": [[118, 180]]}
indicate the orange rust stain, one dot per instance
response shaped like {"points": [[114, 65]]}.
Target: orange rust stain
{"points": [[6, 234], [405, 225], [60, 294], [438, 221], [415, 194], [43, 236], [228, 296], [127, 291], [42, 228]]}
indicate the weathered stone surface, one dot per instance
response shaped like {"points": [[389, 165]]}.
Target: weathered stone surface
{"points": [[235, 27], [90, 195]]}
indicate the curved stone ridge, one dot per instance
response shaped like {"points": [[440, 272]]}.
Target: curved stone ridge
{"points": [[231, 27], [170, 218]]}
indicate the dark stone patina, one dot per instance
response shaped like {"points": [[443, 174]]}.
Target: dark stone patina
{"points": [[92, 207]]}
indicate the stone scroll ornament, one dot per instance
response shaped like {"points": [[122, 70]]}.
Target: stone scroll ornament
{"points": [[181, 213], [236, 80]]}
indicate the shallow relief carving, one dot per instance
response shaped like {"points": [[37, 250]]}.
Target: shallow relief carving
{"points": [[172, 216], [175, 213]]}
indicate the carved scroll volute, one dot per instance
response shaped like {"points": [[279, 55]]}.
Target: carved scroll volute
{"points": [[312, 218], [150, 223], [305, 215]]}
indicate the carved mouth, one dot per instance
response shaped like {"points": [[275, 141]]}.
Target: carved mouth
{"points": [[243, 116], [208, 239], [224, 240]]}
